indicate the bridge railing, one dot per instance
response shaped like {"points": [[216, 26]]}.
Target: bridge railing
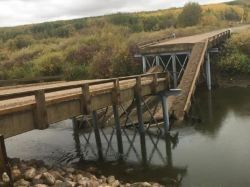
{"points": [[7, 95], [32, 109]]}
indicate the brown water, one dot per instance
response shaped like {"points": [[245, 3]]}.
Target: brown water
{"points": [[214, 152]]}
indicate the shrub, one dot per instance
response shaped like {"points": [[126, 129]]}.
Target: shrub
{"points": [[211, 19], [236, 56], [131, 21], [151, 23], [20, 42], [236, 62], [232, 15], [49, 64]]}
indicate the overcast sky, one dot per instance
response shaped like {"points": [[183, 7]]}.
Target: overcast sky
{"points": [[18, 12]]}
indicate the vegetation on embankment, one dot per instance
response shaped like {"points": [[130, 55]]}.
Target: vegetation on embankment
{"points": [[235, 58], [103, 46]]}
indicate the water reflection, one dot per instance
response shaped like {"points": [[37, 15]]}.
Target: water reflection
{"points": [[219, 103], [155, 160]]}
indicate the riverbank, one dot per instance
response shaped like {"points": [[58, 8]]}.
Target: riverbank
{"points": [[227, 81], [36, 173]]}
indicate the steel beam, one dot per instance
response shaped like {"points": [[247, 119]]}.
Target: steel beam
{"points": [[175, 77], [157, 58], [97, 135], [141, 129], [76, 137], [118, 130], [138, 100], [165, 113], [144, 64]]}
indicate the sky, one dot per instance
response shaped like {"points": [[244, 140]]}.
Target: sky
{"points": [[19, 12]]}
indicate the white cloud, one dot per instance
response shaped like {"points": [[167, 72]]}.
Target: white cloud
{"points": [[17, 12]]}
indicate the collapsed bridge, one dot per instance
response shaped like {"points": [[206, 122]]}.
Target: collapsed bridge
{"points": [[123, 103], [184, 58]]}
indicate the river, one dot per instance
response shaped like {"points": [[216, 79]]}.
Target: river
{"points": [[212, 151]]}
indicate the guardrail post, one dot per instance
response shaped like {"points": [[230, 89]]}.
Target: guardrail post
{"points": [[85, 99], [116, 101], [138, 98], [154, 83], [4, 165], [41, 117]]}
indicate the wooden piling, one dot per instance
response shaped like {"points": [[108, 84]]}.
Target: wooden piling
{"points": [[85, 100]]}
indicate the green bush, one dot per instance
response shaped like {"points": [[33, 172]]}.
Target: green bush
{"points": [[235, 63], [49, 64], [236, 56], [20, 42]]}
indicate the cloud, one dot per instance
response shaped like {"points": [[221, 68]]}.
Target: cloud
{"points": [[17, 12]]}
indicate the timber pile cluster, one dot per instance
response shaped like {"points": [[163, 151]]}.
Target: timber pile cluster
{"points": [[35, 173]]}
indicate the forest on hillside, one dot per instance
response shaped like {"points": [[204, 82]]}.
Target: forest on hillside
{"points": [[101, 47]]}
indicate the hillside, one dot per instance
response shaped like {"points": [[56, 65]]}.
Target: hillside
{"points": [[100, 46]]}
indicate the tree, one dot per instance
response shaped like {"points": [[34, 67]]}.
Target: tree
{"points": [[190, 15], [232, 15]]}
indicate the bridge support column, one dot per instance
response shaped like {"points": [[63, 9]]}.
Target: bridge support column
{"points": [[97, 135], [165, 113], [118, 130], [173, 56], [116, 102], [76, 136], [140, 119], [157, 59], [144, 64], [208, 72]]}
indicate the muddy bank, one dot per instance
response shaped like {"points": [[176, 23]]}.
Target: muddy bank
{"points": [[36, 173], [223, 80]]}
